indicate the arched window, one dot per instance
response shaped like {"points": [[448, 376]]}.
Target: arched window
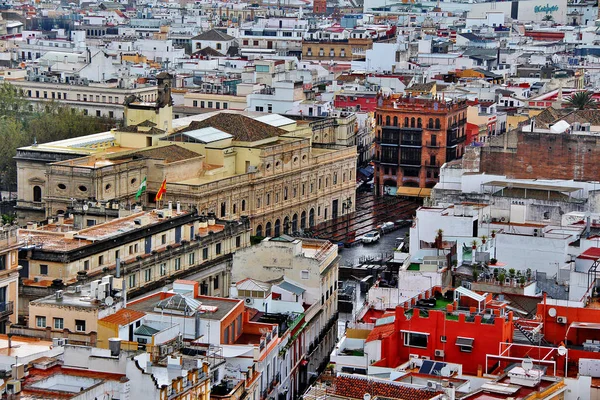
{"points": [[430, 124], [387, 120], [419, 123], [406, 122], [277, 227], [223, 209], [395, 121], [234, 208], [311, 218], [259, 231], [286, 225], [37, 194], [268, 229], [412, 122], [295, 223], [243, 205], [303, 220], [437, 123]]}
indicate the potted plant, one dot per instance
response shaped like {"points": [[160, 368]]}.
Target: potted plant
{"points": [[493, 234], [483, 239], [493, 261], [475, 275], [501, 277], [474, 244], [522, 280], [511, 272], [528, 274]]}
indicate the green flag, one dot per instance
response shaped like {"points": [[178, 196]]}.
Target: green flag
{"points": [[141, 190]]}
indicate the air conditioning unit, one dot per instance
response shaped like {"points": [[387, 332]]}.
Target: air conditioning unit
{"points": [[439, 353], [561, 320], [13, 387], [249, 301], [59, 294], [536, 232]]}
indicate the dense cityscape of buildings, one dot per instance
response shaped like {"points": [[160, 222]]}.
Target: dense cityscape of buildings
{"points": [[207, 243]]}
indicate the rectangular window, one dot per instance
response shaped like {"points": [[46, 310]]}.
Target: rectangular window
{"points": [[191, 259], [148, 274], [59, 323], [210, 104], [86, 265], [218, 248], [195, 103], [98, 113], [3, 262], [80, 325], [100, 260], [413, 339], [130, 249], [304, 274], [201, 104], [225, 106], [177, 264], [163, 239], [131, 281], [205, 253], [117, 254], [218, 105], [163, 269], [216, 282], [226, 336], [40, 322], [238, 241], [43, 269]]}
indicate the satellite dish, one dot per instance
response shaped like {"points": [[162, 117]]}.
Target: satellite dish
{"points": [[562, 350], [445, 372], [109, 301], [366, 396], [527, 364], [552, 312], [85, 207]]}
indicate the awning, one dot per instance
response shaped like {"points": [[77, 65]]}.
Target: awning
{"points": [[585, 325], [413, 191], [464, 342]]}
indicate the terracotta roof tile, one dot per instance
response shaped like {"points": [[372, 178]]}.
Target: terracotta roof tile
{"points": [[242, 128], [171, 153], [355, 388], [123, 317], [380, 332]]}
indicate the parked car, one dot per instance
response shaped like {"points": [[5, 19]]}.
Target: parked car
{"points": [[371, 237], [388, 227]]}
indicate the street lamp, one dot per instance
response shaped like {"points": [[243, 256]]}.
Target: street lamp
{"points": [[347, 207]]}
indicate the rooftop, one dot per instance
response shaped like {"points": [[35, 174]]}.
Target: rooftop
{"points": [[215, 308], [356, 387], [241, 127]]}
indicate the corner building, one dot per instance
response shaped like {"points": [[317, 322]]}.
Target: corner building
{"points": [[415, 137]]}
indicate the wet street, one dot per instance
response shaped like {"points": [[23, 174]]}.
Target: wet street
{"points": [[384, 248]]}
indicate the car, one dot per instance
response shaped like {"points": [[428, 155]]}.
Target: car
{"points": [[388, 227], [371, 237]]}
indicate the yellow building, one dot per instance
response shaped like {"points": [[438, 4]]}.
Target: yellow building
{"points": [[9, 277], [232, 164]]}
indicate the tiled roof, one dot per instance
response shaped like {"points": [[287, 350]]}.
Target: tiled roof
{"points": [[213, 35], [421, 87], [242, 128], [145, 330], [171, 153], [355, 388], [124, 316], [209, 52], [380, 332]]}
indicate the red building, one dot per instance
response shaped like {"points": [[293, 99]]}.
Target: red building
{"points": [[319, 6], [359, 101], [472, 133], [414, 138]]}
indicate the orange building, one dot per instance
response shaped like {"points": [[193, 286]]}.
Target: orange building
{"points": [[415, 136], [319, 6]]}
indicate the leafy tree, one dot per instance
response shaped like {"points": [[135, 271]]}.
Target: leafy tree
{"points": [[22, 124], [548, 17], [582, 100]]}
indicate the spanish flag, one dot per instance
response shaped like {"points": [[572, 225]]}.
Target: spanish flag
{"points": [[161, 191]]}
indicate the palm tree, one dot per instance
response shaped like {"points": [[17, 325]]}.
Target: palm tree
{"points": [[582, 100], [548, 18]]}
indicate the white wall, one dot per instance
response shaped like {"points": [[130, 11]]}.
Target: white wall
{"points": [[543, 254]]}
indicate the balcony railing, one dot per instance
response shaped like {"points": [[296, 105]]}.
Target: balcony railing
{"points": [[433, 144], [6, 309], [414, 143], [429, 164], [410, 162]]}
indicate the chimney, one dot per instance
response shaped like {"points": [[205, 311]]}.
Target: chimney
{"points": [[61, 219], [178, 207], [9, 336], [170, 206]]}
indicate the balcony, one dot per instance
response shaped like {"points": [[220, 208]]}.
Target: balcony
{"points": [[411, 143], [410, 162], [6, 309], [430, 164], [435, 144]]}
